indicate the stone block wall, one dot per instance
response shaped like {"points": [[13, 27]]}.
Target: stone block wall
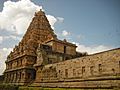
{"points": [[97, 70], [63, 47], [92, 65]]}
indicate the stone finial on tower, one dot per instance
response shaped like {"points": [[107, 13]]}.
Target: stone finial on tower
{"points": [[40, 9], [65, 40], [39, 13]]}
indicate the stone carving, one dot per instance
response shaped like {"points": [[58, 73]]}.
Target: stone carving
{"points": [[41, 57]]}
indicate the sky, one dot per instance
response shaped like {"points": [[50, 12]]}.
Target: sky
{"points": [[93, 25]]}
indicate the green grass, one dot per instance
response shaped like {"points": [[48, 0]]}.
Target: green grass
{"points": [[39, 88], [8, 87]]}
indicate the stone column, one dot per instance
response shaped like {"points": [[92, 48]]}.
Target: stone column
{"points": [[18, 77], [11, 78], [23, 76], [5, 79], [14, 77], [38, 74]]}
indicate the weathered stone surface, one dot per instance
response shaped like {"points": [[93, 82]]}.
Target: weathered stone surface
{"points": [[92, 71], [34, 51], [41, 59]]}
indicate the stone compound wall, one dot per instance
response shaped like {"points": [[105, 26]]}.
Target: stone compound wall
{"points": [[93, 65], [101, 70]]}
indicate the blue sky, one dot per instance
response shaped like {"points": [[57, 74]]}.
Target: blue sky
{"points": [[97, 21], [93, 25], [90, 22]]}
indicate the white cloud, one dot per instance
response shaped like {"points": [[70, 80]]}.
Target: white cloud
{"points": [[12, 37], [3, 55], [16, 16], [92, 49], [65, 33], [60, 19], [1, 39], [80, 37], [52, 20]]}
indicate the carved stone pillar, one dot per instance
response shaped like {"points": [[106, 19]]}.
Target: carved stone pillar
{"points": [[16, 77], [23, 76], [20, 76], [8, 78], [5, 79], [38, 74], [13, 77]]}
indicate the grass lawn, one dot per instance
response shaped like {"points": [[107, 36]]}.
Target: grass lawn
{"points": [[39, 88]]}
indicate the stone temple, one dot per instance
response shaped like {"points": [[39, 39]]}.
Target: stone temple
{"points": [[41, 59]]}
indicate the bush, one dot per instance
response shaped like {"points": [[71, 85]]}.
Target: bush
{"points": [[8, 87]]}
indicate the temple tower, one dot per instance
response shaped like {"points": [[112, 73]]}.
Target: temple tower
{"points": [[38, 47], [19, 63]]}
